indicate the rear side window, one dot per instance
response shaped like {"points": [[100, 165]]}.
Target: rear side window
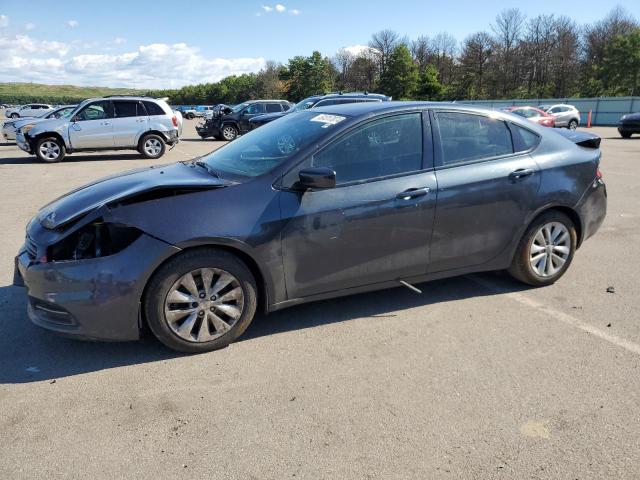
{"points": [[523, 139], [273, 107], [153, 108], [384, 147], [128, 109], [466, 137], [285, 107]]}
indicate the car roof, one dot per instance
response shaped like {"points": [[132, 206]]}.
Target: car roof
{"points": [[367, 108]]}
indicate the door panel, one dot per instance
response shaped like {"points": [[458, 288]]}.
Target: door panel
{"points": [[356, 235], [93, 127], [126, 130]]}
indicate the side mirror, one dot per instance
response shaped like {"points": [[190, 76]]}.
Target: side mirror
{"points": [[318, 178]]}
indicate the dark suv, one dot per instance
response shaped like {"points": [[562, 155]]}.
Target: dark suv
{"points": [[315, 101], [227, 123]]}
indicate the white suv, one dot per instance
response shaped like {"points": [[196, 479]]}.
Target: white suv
{"points": [[30, 110], [108, 123]]}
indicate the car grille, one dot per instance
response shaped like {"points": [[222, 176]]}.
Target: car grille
{"points": [[31, 248]]}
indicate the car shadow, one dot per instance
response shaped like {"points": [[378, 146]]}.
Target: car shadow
{"points": [[75, 158], [622, 139], [7, 144], [30, 354]]}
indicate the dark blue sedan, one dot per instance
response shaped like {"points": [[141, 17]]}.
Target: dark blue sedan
{"points": [[318, 204]]}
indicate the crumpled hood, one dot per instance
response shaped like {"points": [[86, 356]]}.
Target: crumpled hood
{"points": [[20, 122], [122, 186]]}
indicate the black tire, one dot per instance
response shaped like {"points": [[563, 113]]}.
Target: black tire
{"points": [[625, 134], [152, 146], [165, 278], [50, 150], [521, 268], [573, 124], [229, 132], [15, 115], [189, 116]]}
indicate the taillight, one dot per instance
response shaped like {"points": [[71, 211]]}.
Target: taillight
{"points": [[598, 173], [174, 119]]}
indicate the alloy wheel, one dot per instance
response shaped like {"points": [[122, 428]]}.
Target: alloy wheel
{"points": [[49, 150], [229, 133], [550, 249], [204, 304], [152, 147]]}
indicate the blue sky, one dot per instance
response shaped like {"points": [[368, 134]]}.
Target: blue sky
{"points": [[161, 43]]}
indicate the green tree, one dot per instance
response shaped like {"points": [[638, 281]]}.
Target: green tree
{"points": [[400, 78], [304, 76], [621, 66], [429, 87]]}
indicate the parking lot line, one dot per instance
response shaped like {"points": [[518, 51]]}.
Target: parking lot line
{"points": [[559, 315]]}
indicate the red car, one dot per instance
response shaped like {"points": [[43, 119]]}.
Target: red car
{"points": [[534, 114]]}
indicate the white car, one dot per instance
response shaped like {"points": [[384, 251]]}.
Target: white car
{"points": [[29, 110], [9, 127], [566, 115]]}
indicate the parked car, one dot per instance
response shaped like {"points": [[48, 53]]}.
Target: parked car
{"points": [[533, 114], [320, 204], [29, 110], [228, 123], [9, 127], [565, 115], [319, 101], [107, 123], [629, 124]]}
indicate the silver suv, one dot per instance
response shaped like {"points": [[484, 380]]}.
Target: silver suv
{"points": [[565, 115], [108, 123]]}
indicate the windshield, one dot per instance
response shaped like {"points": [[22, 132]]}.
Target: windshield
{"points": [[302, 105], [263, 149], [237, 108]]}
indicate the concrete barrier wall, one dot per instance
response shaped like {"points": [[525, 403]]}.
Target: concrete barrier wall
{"points": [[605, 110]]}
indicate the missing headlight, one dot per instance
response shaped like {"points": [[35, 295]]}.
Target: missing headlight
{"points": [[95, 240]]}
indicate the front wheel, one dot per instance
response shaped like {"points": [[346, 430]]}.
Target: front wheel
{"points": [[201, 300], [50, 150], [573, 125], [625, 134], [152, 146], [546, 250], [15, 115], [229, 132]]}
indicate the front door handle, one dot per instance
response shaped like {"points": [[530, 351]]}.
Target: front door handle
{"points": [[521, 173], [413, 193], [105, 123]]}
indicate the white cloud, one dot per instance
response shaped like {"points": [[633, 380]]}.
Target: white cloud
{"points": [[4, 21], [119, 40], [295, 11], [356, 50], [267, 8], [159, 65], [29, 26], [72, 23], [280, 8]]}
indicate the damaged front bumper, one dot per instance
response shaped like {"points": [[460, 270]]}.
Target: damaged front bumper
{"points": [[22, 142], [96, 298]]}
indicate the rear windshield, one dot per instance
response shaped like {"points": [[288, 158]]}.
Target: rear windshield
{"points": [[269, 146]]}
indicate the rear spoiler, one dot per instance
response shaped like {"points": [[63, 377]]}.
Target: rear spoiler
{"points": [[587, 140]]}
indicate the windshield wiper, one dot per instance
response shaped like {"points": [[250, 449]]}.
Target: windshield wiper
{"points": [[207, 168]]}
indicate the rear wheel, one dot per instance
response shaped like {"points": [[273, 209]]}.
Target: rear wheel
{"points": [[50, 150], [546, 250], [229, 132], [625, 134], [152, 146], [573, 124], [200, 301], [15, 115]]}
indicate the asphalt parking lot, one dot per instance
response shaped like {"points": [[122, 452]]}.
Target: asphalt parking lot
{"points": [[478, 377]]}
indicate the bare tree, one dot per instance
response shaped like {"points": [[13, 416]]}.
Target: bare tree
{"points": [[443, 50], [476, 52], [421, 52], [507, 31], [384, 42]]}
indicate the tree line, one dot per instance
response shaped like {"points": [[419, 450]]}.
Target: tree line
{"points": [[516, 57]]}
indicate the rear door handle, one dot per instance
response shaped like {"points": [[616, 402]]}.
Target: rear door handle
{"points": [[521, 173], [412, 193]]}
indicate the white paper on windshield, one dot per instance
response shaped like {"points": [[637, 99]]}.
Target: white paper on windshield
{"points": [[328, 120]]}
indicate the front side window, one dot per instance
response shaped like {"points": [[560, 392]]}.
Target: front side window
{"points": [[255, 108], [389, 146], [95, 111], [467, 137]]}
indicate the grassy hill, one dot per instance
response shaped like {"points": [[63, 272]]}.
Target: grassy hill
{"points": [[18, 93]]}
